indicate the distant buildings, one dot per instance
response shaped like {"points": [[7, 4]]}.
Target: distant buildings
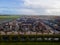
{"points": [[30, 25]]}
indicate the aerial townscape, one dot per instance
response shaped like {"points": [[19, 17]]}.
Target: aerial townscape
{"points": [[31, 25]]}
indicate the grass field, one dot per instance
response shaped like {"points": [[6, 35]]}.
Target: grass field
{"points": [[30, 43], [2, 18], [9, 17]]}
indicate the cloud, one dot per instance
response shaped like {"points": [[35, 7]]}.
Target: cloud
{"points": [[42, 3], [53, 11], [31, 7], [49, 6], [17, 11]]}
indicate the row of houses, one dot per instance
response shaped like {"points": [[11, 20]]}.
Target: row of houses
{"points": [[25, 24]]}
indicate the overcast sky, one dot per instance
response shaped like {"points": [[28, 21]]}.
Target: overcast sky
{"points": [[30, 7]]}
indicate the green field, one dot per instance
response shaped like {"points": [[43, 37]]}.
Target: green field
{"points": [[2, 18], [9, 17], [30, 43]]}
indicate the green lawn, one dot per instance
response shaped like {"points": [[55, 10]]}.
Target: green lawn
{"points": [[9, 17], [30, 43], [3, 18]]}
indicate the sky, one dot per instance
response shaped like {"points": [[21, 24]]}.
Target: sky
{"points": [[30, 7]]}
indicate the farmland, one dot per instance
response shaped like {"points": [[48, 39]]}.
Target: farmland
{"points": [[7, 18]]}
